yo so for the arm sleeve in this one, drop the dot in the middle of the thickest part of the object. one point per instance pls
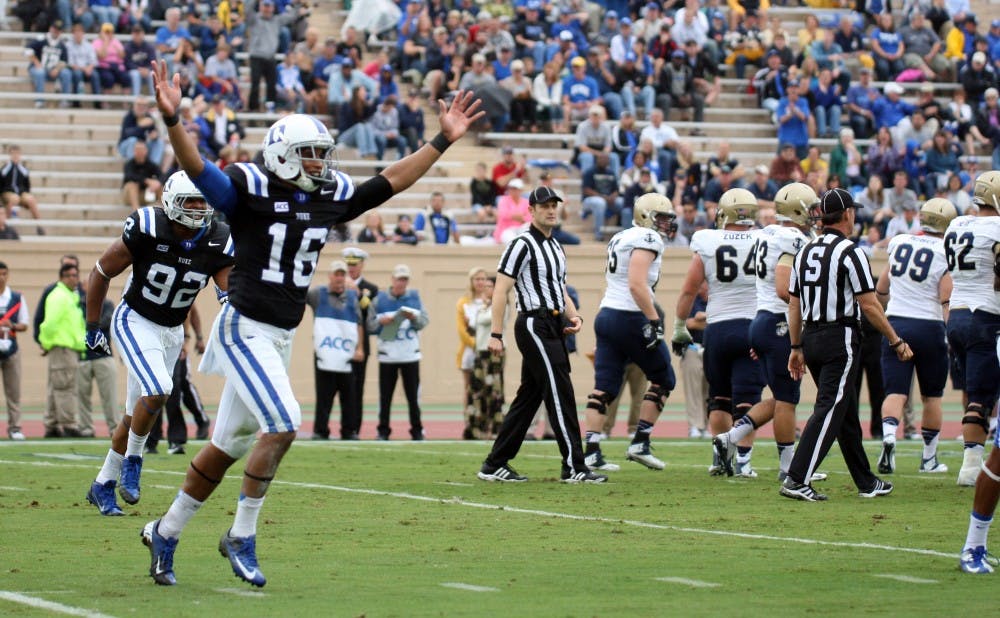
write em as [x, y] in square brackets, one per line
[217, 188]
[369, 194]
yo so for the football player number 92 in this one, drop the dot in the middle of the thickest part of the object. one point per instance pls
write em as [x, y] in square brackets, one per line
[304, 262]
[160, 281]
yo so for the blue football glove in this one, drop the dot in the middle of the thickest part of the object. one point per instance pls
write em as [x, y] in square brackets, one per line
[96, 341]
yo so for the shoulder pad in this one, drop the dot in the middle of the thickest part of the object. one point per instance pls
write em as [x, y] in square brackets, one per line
[146, 221]
[251, 176]
[343, 188]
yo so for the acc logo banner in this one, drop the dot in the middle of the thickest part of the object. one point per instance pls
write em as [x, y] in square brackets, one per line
[337, 343]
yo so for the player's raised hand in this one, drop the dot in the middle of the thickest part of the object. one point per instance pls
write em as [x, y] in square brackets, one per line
[168, 91]
[455, 119]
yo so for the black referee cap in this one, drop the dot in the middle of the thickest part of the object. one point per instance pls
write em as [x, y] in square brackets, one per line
[836, 200]
[543, 194]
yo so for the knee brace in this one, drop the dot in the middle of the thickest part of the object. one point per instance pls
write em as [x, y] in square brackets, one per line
[741, 411]
[721, 404]
[599, 402]
[976, 414]
[658, 395]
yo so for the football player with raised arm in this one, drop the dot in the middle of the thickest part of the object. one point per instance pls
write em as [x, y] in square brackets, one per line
[774, 255]
[279, 213]
[915, 288]
[173, 252]
[629, 329]
[970, 245]
[724, 257]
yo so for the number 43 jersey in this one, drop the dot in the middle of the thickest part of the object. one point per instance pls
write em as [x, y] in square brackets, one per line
[969, 245]
[730, 269]
[916, 265]
[773, 242]
[168, 271]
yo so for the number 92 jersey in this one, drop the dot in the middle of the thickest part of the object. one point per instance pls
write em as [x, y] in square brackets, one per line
[617, 295]
[168, 271]
[773, 242]
[916, 265]
[969, 245]
[730, 270]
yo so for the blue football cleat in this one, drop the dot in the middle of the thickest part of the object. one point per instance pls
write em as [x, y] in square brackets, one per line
[129, 488]
[977, 560]
[161, 553]
[103, 497]
[242, 554]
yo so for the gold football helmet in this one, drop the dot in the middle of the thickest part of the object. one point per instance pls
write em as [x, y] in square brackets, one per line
[936, 214]
[736, 207]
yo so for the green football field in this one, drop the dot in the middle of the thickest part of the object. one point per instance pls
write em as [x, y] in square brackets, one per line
[406, 529]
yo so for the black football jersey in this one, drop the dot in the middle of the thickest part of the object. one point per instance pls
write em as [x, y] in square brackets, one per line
[279, 230]
[168, 271]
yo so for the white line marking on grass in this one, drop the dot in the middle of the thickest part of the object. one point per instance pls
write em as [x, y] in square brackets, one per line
[23, 599]
[67, 456]
[694, 583]
[469, 587]
[163, 486]
[909, 579]
[6, 488]
[240, 592]
[453, 483]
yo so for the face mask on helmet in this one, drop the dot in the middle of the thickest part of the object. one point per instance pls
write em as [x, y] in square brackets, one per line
[665, 223]
[184, 204]
[299, 149]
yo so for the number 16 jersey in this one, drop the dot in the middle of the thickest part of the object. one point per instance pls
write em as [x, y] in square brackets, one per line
[168, 271]
[731, 273]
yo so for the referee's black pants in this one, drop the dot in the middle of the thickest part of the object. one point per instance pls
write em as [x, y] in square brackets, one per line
[328, 385]
[184, 391]
[544, 379]
[832, 356]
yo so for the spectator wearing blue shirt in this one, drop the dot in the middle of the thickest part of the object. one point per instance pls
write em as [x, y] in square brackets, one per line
[603, 71]
[861, 98]
[529, 33]
[566, 43]
[340, 84]
[793, 120]
[386, 84]
[826, 105]
[890, 109]
[887, 48]
[438, 226]
[580, 91]
[408, 22]
[168, 37]
[501, 66]
[105, 11]
[830, 55]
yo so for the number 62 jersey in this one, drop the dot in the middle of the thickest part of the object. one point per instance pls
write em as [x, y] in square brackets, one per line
[969, 245]
[168, 271]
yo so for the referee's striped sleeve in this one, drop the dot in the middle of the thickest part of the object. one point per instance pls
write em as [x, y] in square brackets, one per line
[859, 271]
[513, 256]
[793, 282]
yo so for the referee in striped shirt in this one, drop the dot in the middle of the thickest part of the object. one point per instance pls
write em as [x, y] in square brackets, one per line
[535, 266]
[831, 284]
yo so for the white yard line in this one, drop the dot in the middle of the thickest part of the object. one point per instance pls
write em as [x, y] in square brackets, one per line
[23, 599]
[8, 488]
[694, 583]
[908, 579]
[469, 587]
[240, 592]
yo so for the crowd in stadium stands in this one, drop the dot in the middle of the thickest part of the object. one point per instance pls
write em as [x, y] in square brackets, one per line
[610, 75]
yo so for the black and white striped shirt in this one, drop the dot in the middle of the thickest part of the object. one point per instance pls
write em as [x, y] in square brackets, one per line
[829, 273]
[538, 266]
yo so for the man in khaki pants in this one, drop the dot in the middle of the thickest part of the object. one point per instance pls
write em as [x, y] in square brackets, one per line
[61, 336]
[693, 371]
[99, 366]
[14, 319]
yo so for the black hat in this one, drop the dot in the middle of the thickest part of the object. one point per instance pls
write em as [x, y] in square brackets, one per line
[542, 195]
[836, 200]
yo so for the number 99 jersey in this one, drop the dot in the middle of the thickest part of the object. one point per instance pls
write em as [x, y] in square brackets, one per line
[730, 269]
[916, 265]
[617, 295]
[773, 242]
[969, 246]
[168, 271]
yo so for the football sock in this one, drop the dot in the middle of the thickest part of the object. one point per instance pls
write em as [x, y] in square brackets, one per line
[181, 510]
[977, 449]
[786, 451]
[979, 526]
[135, 444]
[743, 428]
[112, 468]
[642, 431]
[889, 426]
[247, 510]
[594, 436]
[743, 453]
[930, 442]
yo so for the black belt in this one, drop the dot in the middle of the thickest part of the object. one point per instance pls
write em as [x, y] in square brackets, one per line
[542, 313]
[848, 322]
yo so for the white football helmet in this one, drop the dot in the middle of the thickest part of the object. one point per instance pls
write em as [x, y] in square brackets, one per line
[655, 211]
[295, 139]
[177, 192]
[736, 207]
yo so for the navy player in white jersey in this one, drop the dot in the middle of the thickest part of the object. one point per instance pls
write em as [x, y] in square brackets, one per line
[629, 330]
[774, 255]
[918, 286]
[279, 213]
[725, 258]
[174, 251]
[970, 244]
